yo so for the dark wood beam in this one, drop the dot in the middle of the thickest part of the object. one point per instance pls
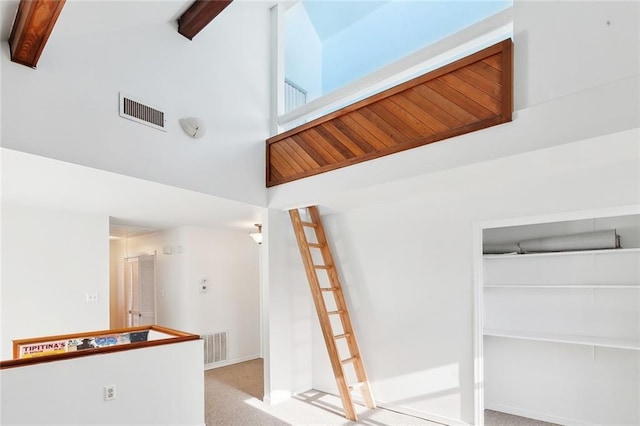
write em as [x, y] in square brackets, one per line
[31, 29]
[198, 16]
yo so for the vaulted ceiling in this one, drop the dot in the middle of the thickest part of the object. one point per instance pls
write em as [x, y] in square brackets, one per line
[35, 20]
[121, 191]
[331, 17]
[80, 17]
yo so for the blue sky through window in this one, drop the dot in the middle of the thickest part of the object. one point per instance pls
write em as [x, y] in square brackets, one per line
[330, 43]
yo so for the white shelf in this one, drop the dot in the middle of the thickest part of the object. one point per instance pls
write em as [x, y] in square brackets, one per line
[560, 338]
[560, 253]
[577, 286]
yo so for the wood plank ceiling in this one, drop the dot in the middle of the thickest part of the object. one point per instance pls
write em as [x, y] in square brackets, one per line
[470, 94]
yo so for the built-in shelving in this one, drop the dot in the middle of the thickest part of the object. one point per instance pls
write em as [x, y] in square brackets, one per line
[563, 326]
[560, 253]
[564, 338]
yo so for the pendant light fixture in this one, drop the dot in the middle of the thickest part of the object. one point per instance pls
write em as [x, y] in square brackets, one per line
[257, 236]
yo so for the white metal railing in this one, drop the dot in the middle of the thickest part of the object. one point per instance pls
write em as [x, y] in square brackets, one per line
[294, 96]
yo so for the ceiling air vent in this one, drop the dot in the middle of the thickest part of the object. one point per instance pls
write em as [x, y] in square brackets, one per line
[141, 113]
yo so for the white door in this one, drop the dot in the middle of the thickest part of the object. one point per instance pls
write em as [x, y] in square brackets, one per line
[140, 290]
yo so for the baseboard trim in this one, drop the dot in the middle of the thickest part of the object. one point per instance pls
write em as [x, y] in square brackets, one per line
[534, 414]
[230, 362]
[402, 410]
[417, 413]
[277, 397]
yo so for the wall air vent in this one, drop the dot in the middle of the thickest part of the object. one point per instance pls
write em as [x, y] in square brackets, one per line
[215, 347]
[141, 113]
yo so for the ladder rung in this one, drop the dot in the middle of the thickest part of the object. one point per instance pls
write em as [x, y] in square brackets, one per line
[348, 360]
[307, 243]
[356, 386]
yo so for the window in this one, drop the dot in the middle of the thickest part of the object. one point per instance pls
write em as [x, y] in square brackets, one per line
[331, 44]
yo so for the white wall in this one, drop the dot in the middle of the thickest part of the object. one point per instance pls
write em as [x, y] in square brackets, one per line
[303, 58]
[563, 48]
[288, 353]
[229, 262]
[408, 266]
[222, 77]
[566, 384]
[51, 259]
[570, 83]
[403, 233]
[159, 385]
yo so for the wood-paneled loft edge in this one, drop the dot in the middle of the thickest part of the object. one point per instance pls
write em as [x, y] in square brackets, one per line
[470, 94]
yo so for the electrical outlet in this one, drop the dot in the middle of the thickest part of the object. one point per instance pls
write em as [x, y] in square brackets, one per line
[92, 297]
[110, 393]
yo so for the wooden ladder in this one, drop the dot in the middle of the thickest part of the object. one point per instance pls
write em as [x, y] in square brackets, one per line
[338, 310]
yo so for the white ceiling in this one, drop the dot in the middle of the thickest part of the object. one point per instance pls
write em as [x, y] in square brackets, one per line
[134, 205]
[8, 10]
[95, 16]
[39, 181]
[92, 16]
[331, 17]
[84, 17]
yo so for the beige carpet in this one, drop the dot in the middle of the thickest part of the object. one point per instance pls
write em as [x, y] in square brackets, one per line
[233, 396]
[496, 418]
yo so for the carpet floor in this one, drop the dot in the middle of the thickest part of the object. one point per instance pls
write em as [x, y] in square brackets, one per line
[496, 418]
[233, 396]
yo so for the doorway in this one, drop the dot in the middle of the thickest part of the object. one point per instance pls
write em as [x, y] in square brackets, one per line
[140, 290]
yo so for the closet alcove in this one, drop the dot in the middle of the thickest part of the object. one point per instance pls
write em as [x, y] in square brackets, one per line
[561, 329]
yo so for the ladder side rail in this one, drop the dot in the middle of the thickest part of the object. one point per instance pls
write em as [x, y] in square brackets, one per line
[325, 323]
[325, 250]
[354, 349]
[341, 304]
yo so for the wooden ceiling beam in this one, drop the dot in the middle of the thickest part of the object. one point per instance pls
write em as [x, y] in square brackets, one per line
[31, 29]
[198, 16]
